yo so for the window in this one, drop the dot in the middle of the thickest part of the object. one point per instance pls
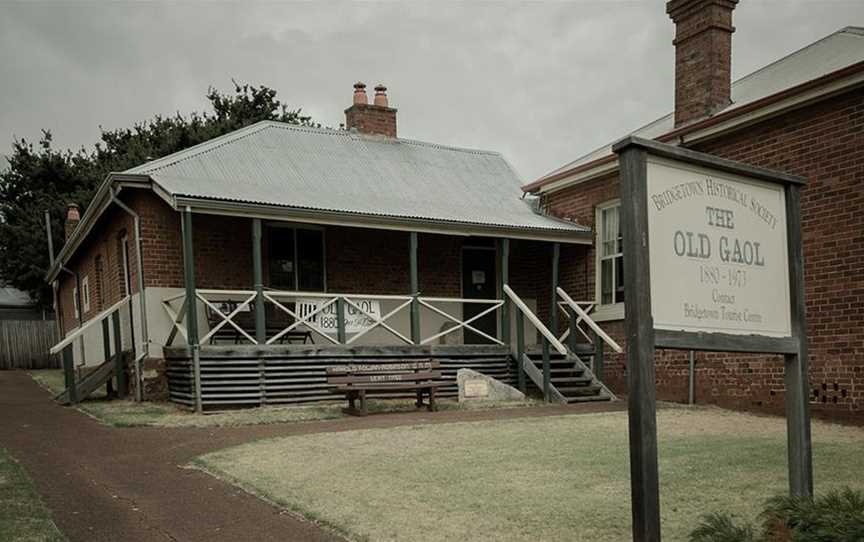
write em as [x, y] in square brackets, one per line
[99, 291]
[125, 283]
[296, 258]
[610, 259]
[85, 293]
[75, 302]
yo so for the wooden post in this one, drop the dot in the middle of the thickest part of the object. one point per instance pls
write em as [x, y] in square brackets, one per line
[191, 303]
[691, 378]
[520, 349]
[415, 287]
[574, 329]
[505, 279]
[599, 344]
[799, 449]
[119, 363]
[69, 372]
[639, 326]
[553, 316]
[340, 320]
[106, 350]
[258, 279]
[547, 371]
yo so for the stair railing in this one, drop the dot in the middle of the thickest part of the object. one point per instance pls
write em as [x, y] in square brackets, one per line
[549, 340]
[583, 317]
[65, 346]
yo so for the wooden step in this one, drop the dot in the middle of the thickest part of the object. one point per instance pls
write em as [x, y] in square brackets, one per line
[578, 390]
[577, 380]
[588, 398]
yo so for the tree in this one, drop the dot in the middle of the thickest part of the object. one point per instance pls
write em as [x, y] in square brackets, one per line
[40, 177]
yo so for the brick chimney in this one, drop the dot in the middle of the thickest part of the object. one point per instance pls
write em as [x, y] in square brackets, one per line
[703, 57]
[377, 118]
[73, 217]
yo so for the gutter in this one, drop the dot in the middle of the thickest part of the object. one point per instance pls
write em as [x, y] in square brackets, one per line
[692, 130]
[142, 298]
[98, 204]
[385, 222]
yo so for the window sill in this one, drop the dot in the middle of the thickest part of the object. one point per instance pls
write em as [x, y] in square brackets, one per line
[608, 313]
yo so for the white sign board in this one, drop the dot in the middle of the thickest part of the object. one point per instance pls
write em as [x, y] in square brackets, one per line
[718, 251]
[355, 320]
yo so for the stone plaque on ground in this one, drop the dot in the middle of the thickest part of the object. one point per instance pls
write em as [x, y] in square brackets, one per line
[474, 386]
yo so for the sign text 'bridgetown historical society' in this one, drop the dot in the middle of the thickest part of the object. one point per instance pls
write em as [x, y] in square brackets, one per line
[718, 251]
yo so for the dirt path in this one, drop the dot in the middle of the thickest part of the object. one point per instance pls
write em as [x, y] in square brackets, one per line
[105, 483]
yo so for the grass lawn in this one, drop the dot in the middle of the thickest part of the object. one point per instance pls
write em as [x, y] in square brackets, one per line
[23, 516]
[555, 478]
[132, 414]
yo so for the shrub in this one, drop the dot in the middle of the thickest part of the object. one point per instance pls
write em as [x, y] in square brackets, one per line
[837, 516]
[722, 528]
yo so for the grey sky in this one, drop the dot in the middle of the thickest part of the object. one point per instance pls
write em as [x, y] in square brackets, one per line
[541, 82]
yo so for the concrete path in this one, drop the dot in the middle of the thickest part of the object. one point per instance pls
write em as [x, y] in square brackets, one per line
[130, 484]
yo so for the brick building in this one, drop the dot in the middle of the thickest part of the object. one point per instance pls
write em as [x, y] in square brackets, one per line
[803, 115]
[301, 245]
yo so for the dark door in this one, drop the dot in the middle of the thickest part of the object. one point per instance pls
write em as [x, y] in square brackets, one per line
[479, 281]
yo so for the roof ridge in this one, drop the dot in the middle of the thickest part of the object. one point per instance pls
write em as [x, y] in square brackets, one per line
[200, 148]
[373, 137]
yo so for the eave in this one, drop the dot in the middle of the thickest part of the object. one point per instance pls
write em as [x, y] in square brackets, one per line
[383, 222]
[112, 185]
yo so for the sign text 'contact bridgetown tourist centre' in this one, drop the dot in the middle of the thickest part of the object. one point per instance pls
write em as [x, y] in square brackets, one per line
[718, 251]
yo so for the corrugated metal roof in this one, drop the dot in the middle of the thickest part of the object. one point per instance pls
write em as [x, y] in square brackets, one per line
[834, 52]
[310, 168]
[12, 297]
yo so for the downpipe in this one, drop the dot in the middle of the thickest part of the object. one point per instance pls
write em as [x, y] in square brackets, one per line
[142, 301]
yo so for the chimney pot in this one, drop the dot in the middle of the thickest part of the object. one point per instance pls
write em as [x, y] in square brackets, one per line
[381, 96]
[73, 217]
[360, 97]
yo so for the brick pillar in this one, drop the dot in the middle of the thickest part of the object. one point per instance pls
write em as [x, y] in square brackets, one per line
[703, 57]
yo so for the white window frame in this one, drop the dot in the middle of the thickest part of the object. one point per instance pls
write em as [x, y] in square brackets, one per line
[124, 255]
[607, 311]
[85, 293]
[75, 303]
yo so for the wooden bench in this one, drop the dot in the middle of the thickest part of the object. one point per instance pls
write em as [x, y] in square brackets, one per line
[356, 380]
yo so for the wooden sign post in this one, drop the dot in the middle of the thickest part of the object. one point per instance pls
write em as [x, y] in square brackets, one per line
[712, 261]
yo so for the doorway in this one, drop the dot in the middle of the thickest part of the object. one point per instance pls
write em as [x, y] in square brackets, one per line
[479, 281]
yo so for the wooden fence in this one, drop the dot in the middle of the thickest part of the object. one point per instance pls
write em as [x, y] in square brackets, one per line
[24, 344]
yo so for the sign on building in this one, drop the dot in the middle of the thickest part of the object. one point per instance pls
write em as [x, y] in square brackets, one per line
[355, 320]
[712, 261]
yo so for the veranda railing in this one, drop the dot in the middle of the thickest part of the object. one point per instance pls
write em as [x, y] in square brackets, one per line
[301, 314]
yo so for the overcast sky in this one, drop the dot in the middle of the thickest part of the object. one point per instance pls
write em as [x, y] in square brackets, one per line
[541, 82]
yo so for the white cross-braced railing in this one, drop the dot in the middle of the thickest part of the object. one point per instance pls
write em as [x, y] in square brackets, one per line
[308, 311]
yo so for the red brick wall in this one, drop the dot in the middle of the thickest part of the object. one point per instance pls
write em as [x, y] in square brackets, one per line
[825, 143]
[104, 246]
